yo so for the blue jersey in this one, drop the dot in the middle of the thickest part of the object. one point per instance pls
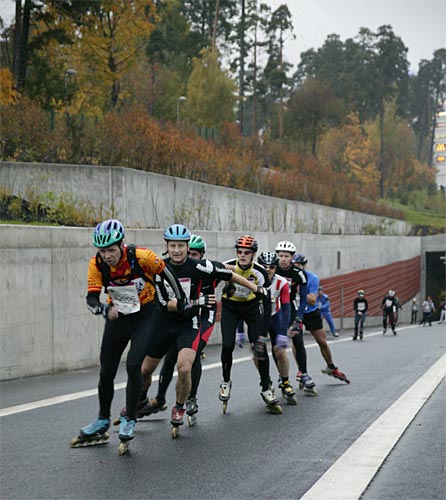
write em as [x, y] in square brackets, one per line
[312, 287]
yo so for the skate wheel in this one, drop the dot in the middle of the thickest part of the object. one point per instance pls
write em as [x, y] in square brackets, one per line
[116, 421]
[191, 420]
[225, 406]
[175, 432]
[292, 400]
[310, 392]
[276, 409]
[123, 447]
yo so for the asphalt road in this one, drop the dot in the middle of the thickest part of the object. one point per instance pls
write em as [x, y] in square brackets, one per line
[245, 454]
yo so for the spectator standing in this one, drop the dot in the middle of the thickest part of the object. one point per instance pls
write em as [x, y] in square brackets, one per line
[428, 309]
[323, 303]
[414, 312]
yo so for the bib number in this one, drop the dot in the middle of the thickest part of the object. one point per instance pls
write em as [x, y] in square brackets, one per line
[125, 298]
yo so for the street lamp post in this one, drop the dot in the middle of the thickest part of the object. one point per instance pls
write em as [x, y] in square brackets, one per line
[67, 75]
[180, 99]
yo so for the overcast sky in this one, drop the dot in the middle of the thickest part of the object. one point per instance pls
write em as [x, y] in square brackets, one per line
[421, 24]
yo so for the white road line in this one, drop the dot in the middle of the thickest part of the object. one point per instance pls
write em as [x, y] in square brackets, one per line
[92, 392]
[350, 475]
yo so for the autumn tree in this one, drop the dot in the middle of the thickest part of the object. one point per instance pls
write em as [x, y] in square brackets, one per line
[347, 149]
[210, 93]
[312, 109]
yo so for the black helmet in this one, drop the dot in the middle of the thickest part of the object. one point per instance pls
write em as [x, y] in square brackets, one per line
[268, 259]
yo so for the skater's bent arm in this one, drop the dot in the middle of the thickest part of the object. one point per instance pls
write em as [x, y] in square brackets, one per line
[244, 282]
[311, 299]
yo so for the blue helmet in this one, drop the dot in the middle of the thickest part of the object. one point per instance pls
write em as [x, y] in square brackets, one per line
[299, 258]
[177, 232]
[107, 233]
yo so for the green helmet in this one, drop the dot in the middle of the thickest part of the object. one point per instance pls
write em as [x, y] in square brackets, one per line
[108, 233]
[197, 243]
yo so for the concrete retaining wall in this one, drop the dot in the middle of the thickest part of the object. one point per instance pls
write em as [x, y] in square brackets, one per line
[46, 327]
[147, 200]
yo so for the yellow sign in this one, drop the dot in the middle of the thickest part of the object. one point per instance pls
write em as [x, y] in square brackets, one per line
[440, 147]
[440, 159]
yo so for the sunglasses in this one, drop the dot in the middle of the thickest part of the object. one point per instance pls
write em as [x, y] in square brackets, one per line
[244, 252]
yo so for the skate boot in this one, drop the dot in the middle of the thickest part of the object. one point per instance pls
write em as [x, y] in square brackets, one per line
[176, 420]
[298, 375]
[384, 331]
[191, 411]
[225, 394]
[151, 407]
[95, 433]
[355, 335]
[335, 334]
[394, 331]
[336, 373]
[271, 401]
[139, 412]
[306, 383]
[361, 335]
[126, 429]
[288, 392]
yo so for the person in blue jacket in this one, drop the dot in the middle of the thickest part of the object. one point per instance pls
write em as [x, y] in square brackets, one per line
[324, 307]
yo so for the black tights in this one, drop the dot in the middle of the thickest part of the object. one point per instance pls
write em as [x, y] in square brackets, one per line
[134, 328]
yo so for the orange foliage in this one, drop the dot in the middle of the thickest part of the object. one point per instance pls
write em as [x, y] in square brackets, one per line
[131, 138]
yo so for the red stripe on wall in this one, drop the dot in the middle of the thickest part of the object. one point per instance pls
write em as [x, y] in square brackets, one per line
[403, 276]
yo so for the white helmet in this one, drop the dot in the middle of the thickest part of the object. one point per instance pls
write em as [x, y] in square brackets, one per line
[285, 246]
[391, 293]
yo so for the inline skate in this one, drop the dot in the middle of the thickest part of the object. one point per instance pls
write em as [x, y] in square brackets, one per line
[309, 387]
[225, 394]
[191, 411]
[271, 401]
[288, 392]
[336, 373]
[126, 429]
[176, 420]
[143, 409]
[92, 434]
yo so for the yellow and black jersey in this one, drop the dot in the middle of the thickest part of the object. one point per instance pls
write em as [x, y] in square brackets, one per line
[122, 274]
[254, 273]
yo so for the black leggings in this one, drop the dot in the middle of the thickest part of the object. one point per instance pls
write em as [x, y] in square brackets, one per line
[252, 314]
[136, 328]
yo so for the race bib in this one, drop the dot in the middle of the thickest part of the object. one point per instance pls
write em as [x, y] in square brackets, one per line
[241, 291]
[361, 306]
[388, 302]
[125, 298]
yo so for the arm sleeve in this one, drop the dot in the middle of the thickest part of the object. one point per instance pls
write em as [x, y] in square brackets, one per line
[285, 318]
[214, 269]
[302, 301]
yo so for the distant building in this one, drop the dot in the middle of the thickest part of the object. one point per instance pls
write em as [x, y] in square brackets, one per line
[439, 156]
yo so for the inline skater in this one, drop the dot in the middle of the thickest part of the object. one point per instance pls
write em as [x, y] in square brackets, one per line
[179, 317]
[297, 280]
[277, 324]
[360, 307]
[427, 308]
[207, 315]
[130, 316]
[389, 306]
[240, 303]
[313, 321]
[323, 302]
